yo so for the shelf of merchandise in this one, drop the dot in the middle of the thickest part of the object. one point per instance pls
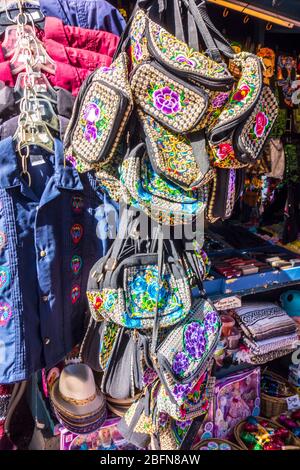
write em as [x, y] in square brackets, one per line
[255, 291]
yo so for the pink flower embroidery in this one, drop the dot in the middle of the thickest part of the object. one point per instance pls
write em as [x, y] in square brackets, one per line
[241, 93]
[166, 100]
[224, 151]
[72, 160]
[91, 113]
[261, 123]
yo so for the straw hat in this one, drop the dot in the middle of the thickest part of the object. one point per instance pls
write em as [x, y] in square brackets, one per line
[75, 392]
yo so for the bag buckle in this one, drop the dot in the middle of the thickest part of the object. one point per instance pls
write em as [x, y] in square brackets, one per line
[111, 264]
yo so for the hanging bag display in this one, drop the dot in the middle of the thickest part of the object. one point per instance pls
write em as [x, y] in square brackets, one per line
[123, 285]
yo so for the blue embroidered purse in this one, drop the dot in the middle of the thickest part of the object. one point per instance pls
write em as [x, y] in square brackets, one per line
[131, 285]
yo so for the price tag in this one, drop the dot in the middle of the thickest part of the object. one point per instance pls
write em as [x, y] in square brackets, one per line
[228, 303]
[293, 402]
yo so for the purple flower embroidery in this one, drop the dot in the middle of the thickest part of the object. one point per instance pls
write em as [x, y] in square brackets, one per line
[107, 69]
[180, 390]
[185, 60]
[194, 340]
[149, 376]
[90, 132]
[180, 363]
[166, 100]
[72, 160]
[210, 322]
[138, 53]
[219, 100]
[91, 113]
[163, 419]
[184, 424]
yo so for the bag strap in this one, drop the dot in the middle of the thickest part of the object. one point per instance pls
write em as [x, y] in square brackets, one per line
[220, 40]
[160, 252]
[189, 438]
[127, 225]
[212, 49]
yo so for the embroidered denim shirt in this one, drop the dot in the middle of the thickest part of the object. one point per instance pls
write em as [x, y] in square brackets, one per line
[90, 14]
[51, 234]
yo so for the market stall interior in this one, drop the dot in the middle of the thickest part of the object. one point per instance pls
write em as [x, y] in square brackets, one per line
[149, 225]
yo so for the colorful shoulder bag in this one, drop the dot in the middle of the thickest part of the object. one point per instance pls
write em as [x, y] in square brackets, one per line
[123, 286]
[159, 198]
[99, 117]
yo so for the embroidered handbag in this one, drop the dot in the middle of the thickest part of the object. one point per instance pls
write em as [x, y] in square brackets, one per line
[150, 42]
[241, 103]
[174, 157]
[123, 376]
[226, 187]
[123, 285]
[250, 137]
[99, 117]
[183, 362]
[160, 199]
[98, 343]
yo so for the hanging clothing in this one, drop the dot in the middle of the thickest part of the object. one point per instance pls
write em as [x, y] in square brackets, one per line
[9, 108]
[101, 42]
[90, 14]
[51, 234]
[66, 76]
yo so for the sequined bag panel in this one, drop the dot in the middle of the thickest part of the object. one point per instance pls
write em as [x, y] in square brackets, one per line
[100, 114]
[172, 156]
[250, 138]
[171, 101]
[183, 357]
[242, 99]
[196, 398]
[158, 204]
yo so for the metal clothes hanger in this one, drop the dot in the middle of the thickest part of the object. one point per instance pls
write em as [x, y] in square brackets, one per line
[23, 36]
[39, 82]
[9, 9]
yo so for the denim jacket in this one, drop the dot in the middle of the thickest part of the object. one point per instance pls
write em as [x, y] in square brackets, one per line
[89, 14]
[51, 234]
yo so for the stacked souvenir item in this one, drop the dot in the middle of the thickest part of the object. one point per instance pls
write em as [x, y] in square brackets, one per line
[291, 421]
[276, 394]
[268, 332]
[262, 434]
[106, 438]
[216, 444]
[236, 397]
[79, 406]
[193, 129]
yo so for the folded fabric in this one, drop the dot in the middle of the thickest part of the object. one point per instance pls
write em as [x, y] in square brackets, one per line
[272, 344]
[245, 356]
[79, 58]
[264, 320]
